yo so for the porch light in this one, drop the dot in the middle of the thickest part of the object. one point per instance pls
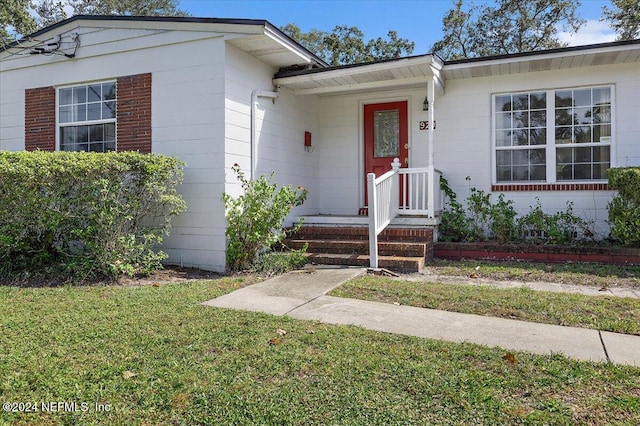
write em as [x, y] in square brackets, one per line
[425, 104]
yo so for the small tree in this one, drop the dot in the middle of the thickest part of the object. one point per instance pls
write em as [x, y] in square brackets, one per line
[255, 219]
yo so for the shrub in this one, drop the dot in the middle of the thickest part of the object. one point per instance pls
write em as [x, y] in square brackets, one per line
[478, 219]
[86, 214]
[482, 219]
[479, 210]
[279, 262]
[454, 226]
[559, 228]
[503, 224]
[255, 219]
[624, 209]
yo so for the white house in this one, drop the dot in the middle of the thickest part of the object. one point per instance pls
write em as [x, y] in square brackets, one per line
[215, 92]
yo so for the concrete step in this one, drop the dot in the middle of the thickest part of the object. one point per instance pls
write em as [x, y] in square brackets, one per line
[393, 263]
[385, 248]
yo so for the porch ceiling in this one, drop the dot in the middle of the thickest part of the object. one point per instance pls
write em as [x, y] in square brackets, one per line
[583, 56]
[406, 72]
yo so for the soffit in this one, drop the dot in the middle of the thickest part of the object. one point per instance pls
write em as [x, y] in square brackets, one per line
[406, 72]
[543, 62]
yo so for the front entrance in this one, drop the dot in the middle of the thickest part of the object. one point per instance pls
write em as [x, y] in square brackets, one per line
[386, 136]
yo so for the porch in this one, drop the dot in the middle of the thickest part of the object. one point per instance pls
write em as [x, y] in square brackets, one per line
[396, 230]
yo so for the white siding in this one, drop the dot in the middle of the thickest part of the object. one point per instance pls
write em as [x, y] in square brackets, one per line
[462, 145]
[463, 138]
[187, 116]
[280, 128]
[341, 146]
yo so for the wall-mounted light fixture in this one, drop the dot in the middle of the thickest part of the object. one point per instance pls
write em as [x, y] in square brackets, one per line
[425, 104]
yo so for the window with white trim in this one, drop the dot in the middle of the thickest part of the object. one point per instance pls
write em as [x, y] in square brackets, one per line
[87, 117]
[553, 136]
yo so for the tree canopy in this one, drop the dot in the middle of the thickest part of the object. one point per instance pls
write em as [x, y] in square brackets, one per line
[128, 7]
[624, 18]
[346, 45]
[15, 18]
[22, 17]
[509, 26]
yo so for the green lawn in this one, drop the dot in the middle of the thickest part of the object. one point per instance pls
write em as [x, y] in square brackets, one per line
[201, 365]
[590, 274]
[619, 315]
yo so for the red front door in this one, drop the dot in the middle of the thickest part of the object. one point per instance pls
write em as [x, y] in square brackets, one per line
[386, 136]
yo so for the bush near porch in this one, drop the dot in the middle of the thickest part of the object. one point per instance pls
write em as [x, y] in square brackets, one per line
[624, 209]
[255, 224]
[85, 214]
[483, 220]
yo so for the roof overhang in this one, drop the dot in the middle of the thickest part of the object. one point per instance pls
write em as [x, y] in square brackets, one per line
[556, 59]
[259, 38]
[395, 73]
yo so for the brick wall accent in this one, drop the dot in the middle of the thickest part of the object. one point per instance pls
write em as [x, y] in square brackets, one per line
[134, 113]
[551, 187]
[40, 119]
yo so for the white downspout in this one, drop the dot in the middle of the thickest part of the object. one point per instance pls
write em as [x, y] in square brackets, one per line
[255, 95]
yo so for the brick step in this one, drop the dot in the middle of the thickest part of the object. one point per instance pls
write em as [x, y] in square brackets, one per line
[393, 263]
[385, 248]
[419, 235]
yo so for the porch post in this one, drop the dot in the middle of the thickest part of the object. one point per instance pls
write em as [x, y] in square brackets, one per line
[373, 220]
[433, 186]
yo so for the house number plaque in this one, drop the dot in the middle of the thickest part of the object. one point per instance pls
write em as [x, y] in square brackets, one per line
[424, 125]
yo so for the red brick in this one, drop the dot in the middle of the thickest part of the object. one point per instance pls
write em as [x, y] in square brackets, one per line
[473, 254]
[597, 258]
[134, 113]
[633, 260]
[564, 257]
[446, 254]
[40, 119]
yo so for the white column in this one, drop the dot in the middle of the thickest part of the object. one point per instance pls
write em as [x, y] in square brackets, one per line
[373, 220]
[433, 186]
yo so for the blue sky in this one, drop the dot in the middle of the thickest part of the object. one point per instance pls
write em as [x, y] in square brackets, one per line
[419, 21]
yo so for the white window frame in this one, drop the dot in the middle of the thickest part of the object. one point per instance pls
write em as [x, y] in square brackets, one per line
[60, 125]
[550, 147]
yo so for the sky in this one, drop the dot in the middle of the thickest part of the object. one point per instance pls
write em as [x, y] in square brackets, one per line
[419, 21]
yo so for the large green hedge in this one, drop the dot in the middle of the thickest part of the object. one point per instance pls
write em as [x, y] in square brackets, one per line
[624, 209]
[85, 214]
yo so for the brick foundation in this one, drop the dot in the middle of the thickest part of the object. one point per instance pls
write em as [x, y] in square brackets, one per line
[537, 253]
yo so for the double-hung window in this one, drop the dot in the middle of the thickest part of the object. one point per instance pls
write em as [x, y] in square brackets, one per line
[87, 117]
[553, 135]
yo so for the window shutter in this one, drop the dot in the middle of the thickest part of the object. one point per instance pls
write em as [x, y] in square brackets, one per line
[40, 119]
[133, 113]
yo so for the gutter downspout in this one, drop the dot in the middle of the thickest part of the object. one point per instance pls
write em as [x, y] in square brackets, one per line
[255, 95]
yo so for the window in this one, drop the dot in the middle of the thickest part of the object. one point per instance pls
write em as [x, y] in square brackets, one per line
[553, 136]
[87, 117]
[386, 133]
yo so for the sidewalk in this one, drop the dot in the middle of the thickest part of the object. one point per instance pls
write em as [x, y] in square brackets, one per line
[302, 295]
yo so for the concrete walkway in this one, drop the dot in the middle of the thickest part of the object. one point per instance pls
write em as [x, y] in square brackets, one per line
[302, 295]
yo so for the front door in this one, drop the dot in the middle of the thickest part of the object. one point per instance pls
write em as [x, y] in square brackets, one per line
[386, 136]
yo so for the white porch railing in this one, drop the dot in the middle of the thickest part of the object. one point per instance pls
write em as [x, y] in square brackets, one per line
[400, 192]
[416, 193]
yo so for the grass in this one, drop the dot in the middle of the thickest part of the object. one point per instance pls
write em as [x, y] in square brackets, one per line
[592, 274]
[619, 315]
[154, 355]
